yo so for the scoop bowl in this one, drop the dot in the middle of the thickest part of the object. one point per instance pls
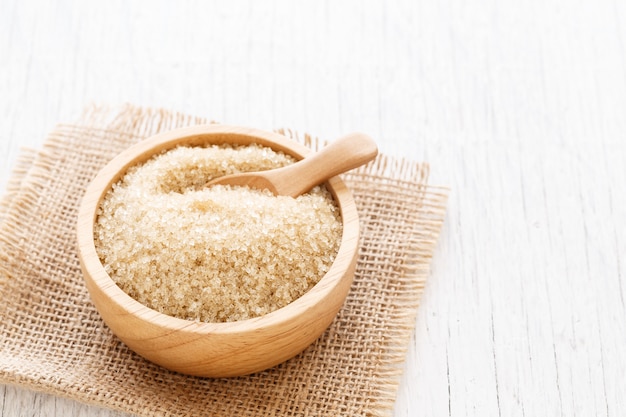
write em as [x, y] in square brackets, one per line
[215, 349]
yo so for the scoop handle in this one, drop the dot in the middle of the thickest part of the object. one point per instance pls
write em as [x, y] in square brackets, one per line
[341, 155]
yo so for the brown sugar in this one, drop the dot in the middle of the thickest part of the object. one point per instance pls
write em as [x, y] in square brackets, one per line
[214, 254]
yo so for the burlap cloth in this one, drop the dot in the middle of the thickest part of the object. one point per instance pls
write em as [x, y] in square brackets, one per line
[52, 339]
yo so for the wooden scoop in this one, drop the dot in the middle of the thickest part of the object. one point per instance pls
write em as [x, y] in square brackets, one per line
[344, 154]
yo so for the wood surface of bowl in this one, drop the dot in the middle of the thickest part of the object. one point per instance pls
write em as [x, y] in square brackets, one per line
[215, 349]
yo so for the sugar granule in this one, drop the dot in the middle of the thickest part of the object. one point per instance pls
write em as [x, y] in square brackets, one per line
[214, 254]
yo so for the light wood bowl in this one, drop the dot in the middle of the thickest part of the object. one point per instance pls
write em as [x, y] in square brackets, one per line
[215, 349]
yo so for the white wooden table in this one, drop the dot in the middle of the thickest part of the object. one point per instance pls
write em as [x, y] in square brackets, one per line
[520, 107]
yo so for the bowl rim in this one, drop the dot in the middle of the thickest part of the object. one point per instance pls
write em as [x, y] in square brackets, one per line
[144, 150]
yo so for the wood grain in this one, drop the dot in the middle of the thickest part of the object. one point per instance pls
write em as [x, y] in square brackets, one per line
[518, 106]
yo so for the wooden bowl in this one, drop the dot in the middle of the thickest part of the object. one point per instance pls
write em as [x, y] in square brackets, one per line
[215, 349]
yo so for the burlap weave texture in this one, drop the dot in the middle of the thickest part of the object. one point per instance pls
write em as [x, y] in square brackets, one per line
[52, 339]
